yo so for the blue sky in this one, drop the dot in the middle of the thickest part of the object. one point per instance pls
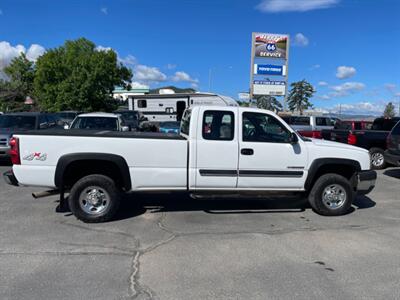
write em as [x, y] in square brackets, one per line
[348, 49]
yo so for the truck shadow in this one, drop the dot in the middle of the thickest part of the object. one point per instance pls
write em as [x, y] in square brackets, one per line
[5, 162]
[393, 173]
[135, 205]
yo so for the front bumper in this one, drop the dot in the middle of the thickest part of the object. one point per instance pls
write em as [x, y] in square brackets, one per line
[10, 178]
[366, 181]
[392, 159]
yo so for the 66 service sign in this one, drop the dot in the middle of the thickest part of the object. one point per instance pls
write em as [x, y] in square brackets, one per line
[269, 45]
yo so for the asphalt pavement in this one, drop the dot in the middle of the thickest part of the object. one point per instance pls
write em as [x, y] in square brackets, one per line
[173, 247]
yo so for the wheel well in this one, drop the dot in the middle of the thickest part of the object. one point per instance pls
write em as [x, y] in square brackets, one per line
[344, 170]
[81, 168]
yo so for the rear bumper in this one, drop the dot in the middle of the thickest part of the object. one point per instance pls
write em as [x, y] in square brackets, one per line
[365, 181]
[4, 151]
[10, 178]
[392, 159]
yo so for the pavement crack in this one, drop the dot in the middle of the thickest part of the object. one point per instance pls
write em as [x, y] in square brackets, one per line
[62, 253]
[136, 289]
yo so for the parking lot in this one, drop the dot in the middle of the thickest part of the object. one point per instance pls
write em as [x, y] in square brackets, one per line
[173, 247]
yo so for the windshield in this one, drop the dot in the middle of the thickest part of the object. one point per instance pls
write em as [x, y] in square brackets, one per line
[129, 115]
[66, 115]
[96, 123]
[17, 122]
[170, 124]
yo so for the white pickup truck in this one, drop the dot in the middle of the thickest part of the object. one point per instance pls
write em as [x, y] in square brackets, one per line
[219, 150]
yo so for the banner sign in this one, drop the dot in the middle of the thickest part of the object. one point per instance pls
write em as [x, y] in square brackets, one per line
[267, 87]
[269, 70]
[270, 45]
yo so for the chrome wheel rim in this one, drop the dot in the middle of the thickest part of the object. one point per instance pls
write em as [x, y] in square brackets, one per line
[334, 196]
[94, 200]
[377, 159]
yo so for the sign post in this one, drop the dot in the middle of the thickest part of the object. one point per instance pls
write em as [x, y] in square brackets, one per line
[265, 49]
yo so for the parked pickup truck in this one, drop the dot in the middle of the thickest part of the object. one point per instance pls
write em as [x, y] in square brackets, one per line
[373, 139]
[219, 150]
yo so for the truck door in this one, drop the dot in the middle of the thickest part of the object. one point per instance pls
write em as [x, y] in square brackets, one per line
[267, 159]
[217, 149]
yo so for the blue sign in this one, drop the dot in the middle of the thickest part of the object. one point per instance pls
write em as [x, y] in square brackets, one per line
[269, 70]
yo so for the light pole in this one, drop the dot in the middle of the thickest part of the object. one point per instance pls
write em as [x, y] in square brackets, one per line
[210, 75]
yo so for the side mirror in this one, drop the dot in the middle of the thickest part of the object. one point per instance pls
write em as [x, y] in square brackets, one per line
[66, 126]
[293, 138]
[125, 128]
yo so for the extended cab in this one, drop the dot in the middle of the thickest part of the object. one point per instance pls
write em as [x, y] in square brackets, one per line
[219, 150]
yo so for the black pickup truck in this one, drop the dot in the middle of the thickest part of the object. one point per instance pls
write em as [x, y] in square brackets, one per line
[373, 139]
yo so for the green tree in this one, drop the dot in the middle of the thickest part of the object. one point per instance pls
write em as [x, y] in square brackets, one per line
[268, 102]
[78, 76]
[19, 84]
[299, 96]
[389, 111]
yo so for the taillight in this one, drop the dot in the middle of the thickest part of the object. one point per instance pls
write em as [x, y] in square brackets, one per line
[351, 139]
[316, 134]
[14, 151]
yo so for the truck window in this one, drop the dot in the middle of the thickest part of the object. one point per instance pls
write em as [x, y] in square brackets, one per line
[218, 125]
[396, 129]
[300, 121]
[322, 121]
[142, 103]
[258, 127]
[185, 122]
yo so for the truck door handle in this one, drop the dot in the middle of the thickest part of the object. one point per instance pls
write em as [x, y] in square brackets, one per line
[247, 151]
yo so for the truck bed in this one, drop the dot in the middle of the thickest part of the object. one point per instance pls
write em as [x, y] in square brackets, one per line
[103, 133]
[154, 159]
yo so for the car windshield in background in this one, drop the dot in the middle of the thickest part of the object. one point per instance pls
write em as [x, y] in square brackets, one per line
[96, 123]
[172, 125]
[17, 122]
[129, 115]
[66, 115]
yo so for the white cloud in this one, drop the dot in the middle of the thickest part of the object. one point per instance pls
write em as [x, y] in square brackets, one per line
[102, 48]
[276, 6]
[362, 108]
[341, 90]
[148, 74]
[138, 85]
[104, 10]
[171, 66]
[183, 76]
[391, 87]
[34, 52]
[128, 60]
[346, 89]
[9, 52]
[300, 40]
[343, 72]
[315, 67]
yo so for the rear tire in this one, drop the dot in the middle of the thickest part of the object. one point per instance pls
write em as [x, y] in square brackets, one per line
[377, 158]
[331, 195]
[94, 199]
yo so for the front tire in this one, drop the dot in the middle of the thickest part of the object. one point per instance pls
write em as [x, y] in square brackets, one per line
[94, 199]
[331, 195]
[377, 158]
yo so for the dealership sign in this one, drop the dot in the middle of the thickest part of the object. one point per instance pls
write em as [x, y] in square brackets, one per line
[268, 87]
[270, 45]
[269, 70]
